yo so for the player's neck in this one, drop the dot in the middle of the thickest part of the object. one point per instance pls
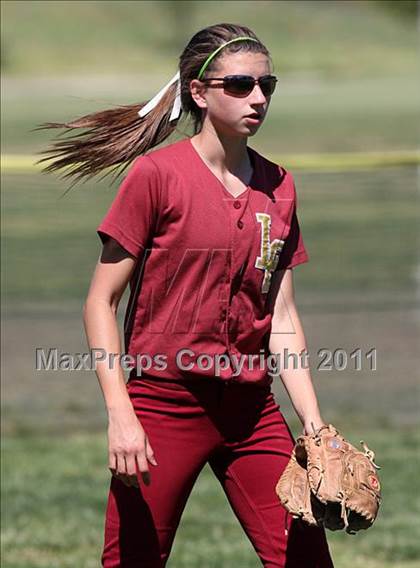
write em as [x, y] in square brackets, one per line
[223, 154]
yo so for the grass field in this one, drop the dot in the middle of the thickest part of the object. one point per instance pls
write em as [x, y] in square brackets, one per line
[117, 36]
[348, 83]
[55, 509]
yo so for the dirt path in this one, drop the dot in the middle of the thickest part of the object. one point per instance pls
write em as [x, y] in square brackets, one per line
[69, 400]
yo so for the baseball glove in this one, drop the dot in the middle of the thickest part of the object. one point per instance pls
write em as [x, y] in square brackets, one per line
[328, 482]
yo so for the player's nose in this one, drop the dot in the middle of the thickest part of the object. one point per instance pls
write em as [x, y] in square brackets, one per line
[257, 96]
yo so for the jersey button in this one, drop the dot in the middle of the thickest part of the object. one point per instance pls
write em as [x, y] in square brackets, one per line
[240, 224]
[237, 204]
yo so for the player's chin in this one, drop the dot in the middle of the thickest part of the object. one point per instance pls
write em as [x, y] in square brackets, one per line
[244, 128]
[250, 127]
[251, 131]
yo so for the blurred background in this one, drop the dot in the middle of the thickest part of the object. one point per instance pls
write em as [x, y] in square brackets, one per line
[345, 121]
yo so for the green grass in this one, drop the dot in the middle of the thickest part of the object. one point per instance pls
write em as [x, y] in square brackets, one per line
[55, 492]
[331, 38]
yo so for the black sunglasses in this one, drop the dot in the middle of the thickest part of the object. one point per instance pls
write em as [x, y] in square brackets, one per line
[242, 85]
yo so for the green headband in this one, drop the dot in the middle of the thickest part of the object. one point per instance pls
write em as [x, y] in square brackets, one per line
[210, 57]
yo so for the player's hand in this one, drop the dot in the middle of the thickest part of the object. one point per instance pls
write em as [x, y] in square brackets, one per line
[129, 449]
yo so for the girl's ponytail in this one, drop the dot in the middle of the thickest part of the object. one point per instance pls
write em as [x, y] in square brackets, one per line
[115, 137]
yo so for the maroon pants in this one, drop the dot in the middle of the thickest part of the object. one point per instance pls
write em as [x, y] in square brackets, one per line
[239, 430]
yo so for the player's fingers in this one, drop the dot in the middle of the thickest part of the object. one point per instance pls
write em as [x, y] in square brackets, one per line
[149, 453]
[131, 475]
[112, 463]
[121, 470]
[143, 467]
[113, 467]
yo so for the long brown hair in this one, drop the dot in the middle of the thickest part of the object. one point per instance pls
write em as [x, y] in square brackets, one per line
[115, 137]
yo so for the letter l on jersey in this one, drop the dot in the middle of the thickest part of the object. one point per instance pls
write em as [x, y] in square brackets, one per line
[269, 251]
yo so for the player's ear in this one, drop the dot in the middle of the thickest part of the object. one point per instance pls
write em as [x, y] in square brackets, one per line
[198, 92]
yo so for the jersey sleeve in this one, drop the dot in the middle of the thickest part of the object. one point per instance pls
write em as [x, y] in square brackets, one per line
[294, 251]
[132, 216]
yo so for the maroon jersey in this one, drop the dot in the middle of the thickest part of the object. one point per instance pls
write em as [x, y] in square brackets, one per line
[204, 263]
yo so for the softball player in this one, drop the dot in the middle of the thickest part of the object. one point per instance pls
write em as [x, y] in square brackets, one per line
[205, 232]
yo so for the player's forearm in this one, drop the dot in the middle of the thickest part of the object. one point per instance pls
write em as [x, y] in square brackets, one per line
[287, 338]
[102, 332]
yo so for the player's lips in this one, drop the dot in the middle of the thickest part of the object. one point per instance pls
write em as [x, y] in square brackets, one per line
[254, 117]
